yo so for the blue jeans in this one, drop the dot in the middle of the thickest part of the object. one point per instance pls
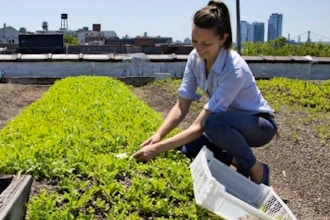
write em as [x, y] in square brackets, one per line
[231, 135]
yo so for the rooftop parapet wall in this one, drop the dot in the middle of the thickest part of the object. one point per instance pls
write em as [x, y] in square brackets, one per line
[142, 65]
[91, 57]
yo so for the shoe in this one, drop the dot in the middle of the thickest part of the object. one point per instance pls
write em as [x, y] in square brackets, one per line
[266, 178]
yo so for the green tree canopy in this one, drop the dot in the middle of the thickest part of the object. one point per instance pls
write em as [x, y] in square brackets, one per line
[70, 40]
[281, 47]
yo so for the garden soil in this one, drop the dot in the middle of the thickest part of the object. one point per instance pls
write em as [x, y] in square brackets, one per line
[299, 161]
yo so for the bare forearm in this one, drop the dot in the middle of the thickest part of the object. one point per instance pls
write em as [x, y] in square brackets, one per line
[151, 150]
[184, 137]
[174, 117]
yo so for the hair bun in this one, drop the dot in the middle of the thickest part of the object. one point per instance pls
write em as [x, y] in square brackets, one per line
[215, 2]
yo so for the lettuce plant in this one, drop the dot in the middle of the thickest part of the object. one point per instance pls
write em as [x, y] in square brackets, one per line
[78, 137]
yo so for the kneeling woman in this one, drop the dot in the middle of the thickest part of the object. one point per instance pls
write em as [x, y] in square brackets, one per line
[236, 116]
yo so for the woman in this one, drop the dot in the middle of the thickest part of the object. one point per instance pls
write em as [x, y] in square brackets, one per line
[236, 116]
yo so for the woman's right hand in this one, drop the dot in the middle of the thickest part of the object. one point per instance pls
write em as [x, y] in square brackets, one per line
[155, 138]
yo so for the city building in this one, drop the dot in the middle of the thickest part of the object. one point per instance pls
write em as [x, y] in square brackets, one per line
[245, 28]
[95, 41]
[96, 36]
[254, 32]
[8, 35]
[41, 43]
[257, 32]
[274, 26]
[8, 39]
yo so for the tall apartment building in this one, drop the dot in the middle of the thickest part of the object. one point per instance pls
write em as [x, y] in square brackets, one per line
[275, 26]
[245, 28]
[254, 32]
[257, 32]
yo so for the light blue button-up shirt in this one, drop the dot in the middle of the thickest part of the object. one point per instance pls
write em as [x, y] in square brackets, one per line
[230, 84]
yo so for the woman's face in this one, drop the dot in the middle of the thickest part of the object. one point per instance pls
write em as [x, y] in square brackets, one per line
[206, 43]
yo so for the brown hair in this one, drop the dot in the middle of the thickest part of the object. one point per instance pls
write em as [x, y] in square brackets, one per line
[215, 16]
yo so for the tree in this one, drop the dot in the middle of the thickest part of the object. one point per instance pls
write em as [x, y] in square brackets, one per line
[281, 47]
[70, 40]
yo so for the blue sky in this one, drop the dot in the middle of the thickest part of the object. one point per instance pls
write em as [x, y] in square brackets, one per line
[168, 18]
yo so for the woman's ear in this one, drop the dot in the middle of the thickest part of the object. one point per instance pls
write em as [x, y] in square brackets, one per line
[224, 38]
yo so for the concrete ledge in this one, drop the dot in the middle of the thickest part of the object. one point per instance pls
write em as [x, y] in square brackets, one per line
[113, 57]
[142, 65]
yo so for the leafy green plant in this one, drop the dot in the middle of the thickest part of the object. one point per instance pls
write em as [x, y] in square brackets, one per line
[72, 139]
[76, 136]
[281, 47]
[297, 93]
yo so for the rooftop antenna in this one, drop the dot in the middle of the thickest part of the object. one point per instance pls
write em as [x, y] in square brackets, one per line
[64, 22]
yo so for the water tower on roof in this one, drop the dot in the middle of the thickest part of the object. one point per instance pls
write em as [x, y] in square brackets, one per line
[64, 22]
[45, 26]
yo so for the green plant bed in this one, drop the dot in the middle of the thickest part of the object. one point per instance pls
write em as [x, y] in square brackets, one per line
[297, 93]
[309, 98]
[79, 137]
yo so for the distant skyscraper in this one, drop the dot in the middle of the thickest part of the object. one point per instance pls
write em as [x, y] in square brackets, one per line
[274, 26]
[245, 28]
[254, 32]
[257, 32]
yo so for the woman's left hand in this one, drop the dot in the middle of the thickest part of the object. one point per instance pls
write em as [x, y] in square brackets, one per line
[146, 153]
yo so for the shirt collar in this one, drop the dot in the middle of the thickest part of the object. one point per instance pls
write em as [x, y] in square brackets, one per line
[219, 63]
